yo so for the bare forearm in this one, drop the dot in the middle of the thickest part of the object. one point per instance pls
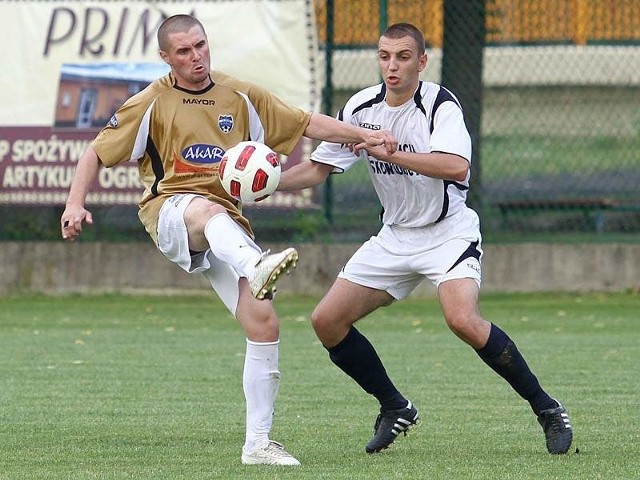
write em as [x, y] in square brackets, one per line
[323, 127]
[446, 166]
[304, 175]
[86, 171]
[74, 213]
[436, 165]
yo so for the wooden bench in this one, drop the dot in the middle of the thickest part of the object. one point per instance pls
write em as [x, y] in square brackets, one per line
[593, 209]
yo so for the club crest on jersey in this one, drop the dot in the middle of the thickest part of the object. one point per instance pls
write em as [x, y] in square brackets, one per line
[225, 122]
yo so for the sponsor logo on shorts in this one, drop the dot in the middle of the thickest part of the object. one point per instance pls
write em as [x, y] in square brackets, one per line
[176, 199]
[474, 266]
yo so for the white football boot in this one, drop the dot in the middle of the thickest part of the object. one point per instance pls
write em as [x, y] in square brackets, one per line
[269, 269]
[273, 454]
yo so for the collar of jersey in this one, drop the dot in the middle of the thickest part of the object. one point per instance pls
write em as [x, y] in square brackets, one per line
[195, 92]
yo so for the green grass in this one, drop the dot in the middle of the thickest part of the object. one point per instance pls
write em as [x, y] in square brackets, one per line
[516, 157]
[114, 387]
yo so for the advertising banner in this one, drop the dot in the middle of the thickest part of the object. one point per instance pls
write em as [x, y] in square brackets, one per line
[71, 64]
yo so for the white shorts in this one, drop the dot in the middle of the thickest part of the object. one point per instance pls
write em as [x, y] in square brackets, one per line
[398, 259]
[173, 242]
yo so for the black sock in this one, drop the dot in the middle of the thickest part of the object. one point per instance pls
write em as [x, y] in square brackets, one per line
[356, 357]
[502, 355]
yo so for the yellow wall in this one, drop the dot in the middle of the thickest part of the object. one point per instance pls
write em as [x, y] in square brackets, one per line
[507, 21]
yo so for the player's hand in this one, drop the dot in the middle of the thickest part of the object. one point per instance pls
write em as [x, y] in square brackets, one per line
[377, 138]
[380, 152]
[71, 221]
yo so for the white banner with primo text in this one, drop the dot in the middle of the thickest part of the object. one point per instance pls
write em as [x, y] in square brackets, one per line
[70, 64]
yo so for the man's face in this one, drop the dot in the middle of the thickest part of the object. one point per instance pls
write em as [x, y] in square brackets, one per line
[189, 58]
[400, 64]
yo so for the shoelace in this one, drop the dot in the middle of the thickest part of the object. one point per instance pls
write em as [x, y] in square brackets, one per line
[263, 255]
[558, 421]
[277, 449]
[403, 428]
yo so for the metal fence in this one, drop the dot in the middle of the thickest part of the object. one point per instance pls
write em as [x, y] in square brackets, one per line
[552, 102]
[551, 89]
[523, 22]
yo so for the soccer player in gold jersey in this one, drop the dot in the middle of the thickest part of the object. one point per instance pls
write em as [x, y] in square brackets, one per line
[178, 129]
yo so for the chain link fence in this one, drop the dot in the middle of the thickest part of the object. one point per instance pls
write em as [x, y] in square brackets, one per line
[551, 89]
[553, 111]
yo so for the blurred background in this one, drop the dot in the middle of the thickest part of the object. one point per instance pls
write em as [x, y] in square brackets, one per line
[551, 94]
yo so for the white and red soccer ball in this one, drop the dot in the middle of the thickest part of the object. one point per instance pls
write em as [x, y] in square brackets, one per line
[250, 171]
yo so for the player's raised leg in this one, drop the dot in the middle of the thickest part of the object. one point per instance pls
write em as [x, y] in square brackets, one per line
[230, 243]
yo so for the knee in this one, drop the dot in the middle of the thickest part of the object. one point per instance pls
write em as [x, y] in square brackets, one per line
[267, 328]
[319, 321]
[269, 322]
[261, 323]
[469, 327]
[464, 323]
[214, 209]
[200, 211]
[327, 327]
[457, 322]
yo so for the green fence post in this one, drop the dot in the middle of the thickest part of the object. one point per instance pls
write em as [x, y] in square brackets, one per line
[327, 101]
[462, 50]
[383, 6]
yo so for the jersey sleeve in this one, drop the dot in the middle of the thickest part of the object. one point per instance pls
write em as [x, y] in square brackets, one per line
[116, 142]
[284, 125]
[450, 134]
[336, 154]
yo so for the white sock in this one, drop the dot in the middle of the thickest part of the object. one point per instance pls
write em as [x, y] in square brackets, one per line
[231, 244]
[260, 381]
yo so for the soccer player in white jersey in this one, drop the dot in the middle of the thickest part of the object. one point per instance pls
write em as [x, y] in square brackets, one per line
[178, 129]
[428, 232]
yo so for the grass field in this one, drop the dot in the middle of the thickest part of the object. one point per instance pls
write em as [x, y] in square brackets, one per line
[115, 387]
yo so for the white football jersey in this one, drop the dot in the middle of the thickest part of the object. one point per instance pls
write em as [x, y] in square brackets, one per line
[432, 121]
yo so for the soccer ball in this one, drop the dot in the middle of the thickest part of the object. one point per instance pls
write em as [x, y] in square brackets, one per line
[250, 171]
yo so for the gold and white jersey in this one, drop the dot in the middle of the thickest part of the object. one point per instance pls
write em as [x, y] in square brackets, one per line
[178, 138]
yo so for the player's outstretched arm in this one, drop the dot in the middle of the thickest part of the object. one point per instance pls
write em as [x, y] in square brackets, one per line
[329, 129]
[446, 166]
[75, 213]
[304, 175]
